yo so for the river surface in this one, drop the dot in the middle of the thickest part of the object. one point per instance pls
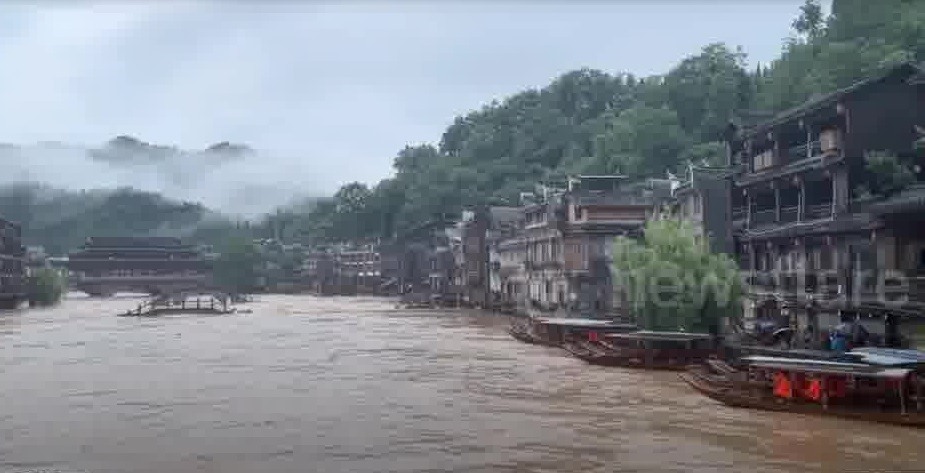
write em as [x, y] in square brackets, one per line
[307, 384]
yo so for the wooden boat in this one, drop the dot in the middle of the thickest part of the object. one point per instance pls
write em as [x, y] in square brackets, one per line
[556, 331]
[652, 350]
[521, 331]
[881, 385]
[593, 353]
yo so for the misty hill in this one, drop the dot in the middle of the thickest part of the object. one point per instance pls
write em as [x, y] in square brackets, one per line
[232, 178]
[127, 150]
[61, 220]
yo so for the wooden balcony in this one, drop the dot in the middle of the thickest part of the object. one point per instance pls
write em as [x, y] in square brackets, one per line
[763, 218]
[818, 211]
[769, 217]
[804, 151]
[739, 214]
[875, 287]
[789, 214]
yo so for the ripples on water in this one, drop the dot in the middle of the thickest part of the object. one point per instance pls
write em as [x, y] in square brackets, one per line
[352, 385]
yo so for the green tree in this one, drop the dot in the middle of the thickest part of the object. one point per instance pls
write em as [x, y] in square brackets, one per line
[711, 153]
[236, 269]
[641, 141]
[674, 281]
[811, 20]
[886, 175]
[709, 89]
[45, 287]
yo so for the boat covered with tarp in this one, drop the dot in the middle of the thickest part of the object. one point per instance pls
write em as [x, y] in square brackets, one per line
[555, 331]
[876, 384]
[645, 349]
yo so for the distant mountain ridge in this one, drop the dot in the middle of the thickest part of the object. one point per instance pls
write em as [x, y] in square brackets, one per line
[125, 149]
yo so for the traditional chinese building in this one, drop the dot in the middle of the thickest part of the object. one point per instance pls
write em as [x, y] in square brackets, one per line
[504, 224]
[107, 265]
[421, 263]
[358, 270]
[565, 246]
[12, 265]
[821, 231]
[318, 271]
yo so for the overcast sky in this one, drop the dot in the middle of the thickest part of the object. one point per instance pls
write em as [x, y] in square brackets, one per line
[330, 91]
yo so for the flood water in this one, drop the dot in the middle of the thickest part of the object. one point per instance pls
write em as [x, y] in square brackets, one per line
[307, 384]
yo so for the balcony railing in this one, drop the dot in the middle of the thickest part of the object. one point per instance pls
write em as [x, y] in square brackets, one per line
[739, 213]
[789, 214]
[817, 211]
[796, 153]
[875, 286]
[763, 218]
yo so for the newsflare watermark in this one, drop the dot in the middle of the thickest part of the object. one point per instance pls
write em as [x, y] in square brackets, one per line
[671, 286]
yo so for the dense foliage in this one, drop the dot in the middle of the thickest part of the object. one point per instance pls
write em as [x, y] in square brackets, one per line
[45, 286]
[886, 175]
[589, 121]
[61, 220]
[237, 268]
[674, 281]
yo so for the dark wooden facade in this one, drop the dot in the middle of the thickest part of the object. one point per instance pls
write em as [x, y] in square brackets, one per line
[319, 273]
[420, 264]
[816, 247]
[703, 201]
[474, 271]
[12, 265]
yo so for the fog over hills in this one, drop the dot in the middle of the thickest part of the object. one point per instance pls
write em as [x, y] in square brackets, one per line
[230, 178]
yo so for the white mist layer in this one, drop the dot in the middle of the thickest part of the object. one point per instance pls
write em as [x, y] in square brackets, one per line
[245, 186]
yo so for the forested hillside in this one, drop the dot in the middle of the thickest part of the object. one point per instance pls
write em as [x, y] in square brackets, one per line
[590, 121]
[61, 220]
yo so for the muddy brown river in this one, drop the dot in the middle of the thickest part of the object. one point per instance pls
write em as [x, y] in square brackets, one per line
[305, 384]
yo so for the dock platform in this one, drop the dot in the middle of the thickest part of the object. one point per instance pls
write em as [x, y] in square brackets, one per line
[199, 304]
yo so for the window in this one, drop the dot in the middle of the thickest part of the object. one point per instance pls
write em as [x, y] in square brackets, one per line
[763, 160]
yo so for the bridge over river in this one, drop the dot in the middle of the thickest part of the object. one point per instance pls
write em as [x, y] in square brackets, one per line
[152, 265]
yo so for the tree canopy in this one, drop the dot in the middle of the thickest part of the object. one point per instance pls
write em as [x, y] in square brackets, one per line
[45, 287]
[674, 281]
[237, 268]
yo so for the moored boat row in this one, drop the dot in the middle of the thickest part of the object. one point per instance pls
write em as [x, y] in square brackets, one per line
[876, 384]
